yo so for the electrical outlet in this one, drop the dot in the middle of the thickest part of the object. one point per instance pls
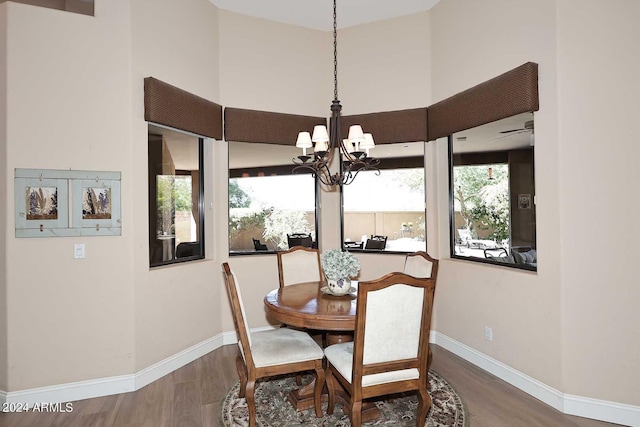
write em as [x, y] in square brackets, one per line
[488, 333]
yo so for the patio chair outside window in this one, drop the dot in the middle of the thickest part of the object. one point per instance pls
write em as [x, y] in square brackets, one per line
[258, 245]
[300, 239]
[376, 242]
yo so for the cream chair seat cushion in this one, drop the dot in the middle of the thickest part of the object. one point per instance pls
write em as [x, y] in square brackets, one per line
[282, 346]
[341, 357]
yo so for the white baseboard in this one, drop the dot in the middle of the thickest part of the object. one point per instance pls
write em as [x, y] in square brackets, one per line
[70, 392]
[170, 364]
[603, 410]
[612, 412]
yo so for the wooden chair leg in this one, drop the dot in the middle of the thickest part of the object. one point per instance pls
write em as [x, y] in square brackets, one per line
[251, 402]
[356, 413]
[242, 374]
[424, 403]
[429, 360]
[317, 392]
[331, 391]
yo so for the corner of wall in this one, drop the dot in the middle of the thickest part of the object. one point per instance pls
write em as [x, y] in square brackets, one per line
[3, 199]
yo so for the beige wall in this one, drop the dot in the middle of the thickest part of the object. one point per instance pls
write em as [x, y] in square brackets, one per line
[566, 319]
[472, 42]
[86, 112]
[269, 66]
[177, 306]
[598, 92]
[3, 196]
[385, 65]
[265, 65]
[68, 108]
[382, 66]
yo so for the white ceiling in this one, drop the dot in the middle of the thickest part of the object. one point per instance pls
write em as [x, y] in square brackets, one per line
[318, 14]
[490, 137]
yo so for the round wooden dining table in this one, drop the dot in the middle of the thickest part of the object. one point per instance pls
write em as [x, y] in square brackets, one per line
[305, 305]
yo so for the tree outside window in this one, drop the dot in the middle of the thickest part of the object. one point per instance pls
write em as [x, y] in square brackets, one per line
[481, 196]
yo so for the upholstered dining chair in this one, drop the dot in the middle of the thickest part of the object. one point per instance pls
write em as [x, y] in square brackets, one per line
[389, 351]
[271, 352]
[298, 264]
[421, 264]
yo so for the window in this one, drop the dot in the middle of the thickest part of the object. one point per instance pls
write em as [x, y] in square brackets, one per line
[493, 193]
[267, 203]
[386, 211]
[176, 196]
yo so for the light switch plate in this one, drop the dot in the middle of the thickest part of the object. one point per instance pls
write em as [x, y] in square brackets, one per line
[78, 250]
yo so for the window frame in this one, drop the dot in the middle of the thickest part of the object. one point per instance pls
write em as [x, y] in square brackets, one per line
[452, 227]
[200, 204]
[282, 169]
[391, 161]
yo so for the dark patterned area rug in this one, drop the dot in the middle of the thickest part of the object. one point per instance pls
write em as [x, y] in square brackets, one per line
[274, 410]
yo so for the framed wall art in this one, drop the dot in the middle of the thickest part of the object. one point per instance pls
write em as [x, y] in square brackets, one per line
[44, 199]
[41, 205]
[96, 205]
[524, 201]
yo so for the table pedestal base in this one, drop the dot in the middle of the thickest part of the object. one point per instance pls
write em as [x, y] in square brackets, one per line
[301, 399]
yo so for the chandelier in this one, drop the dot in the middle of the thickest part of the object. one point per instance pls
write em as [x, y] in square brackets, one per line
[354, 150]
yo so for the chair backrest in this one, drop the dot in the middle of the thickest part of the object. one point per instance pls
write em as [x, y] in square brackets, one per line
[298, 264]
[495, 253]
[299, 239]
[238, 312]
[393, 320]
[259, 246]
[420, 264]
[376, 242]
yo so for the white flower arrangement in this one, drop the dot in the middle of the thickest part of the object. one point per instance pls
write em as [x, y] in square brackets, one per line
[337, 264]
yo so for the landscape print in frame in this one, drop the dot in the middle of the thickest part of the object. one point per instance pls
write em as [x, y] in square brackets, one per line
[96, 203]
[41, 203]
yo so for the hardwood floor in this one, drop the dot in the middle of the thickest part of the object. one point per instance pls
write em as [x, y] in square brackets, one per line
[191, 397]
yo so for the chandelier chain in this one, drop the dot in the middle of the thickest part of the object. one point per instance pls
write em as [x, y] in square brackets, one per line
[335, 52]
[351, 162]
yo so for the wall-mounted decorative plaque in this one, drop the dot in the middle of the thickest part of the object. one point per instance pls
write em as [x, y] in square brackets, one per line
[44, 198]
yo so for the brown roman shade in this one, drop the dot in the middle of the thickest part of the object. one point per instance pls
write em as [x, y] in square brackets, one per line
[511, 93]
[263, 126]
[390, 126]
[173, 107]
